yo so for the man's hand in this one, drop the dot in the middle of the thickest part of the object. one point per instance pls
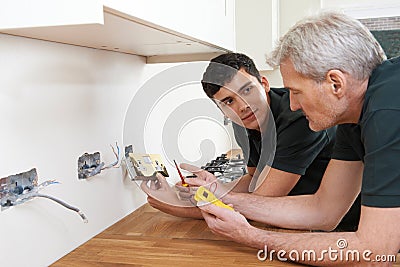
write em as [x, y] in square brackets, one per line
[186, 192]
[161, 190]
[224, 222]
[203, 177]
[208, 180]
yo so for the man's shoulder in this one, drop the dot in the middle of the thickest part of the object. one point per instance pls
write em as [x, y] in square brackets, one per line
[382, 91]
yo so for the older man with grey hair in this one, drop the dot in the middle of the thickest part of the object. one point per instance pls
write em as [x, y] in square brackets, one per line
[337, 74]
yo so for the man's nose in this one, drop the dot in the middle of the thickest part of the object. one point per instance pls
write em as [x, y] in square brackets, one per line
[294, 105]
[243, 105]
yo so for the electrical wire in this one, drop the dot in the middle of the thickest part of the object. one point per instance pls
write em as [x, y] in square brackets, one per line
[46, 183]
[216, 186]
[97, 170]
[62, 203]
[28, 194]
[114, 164]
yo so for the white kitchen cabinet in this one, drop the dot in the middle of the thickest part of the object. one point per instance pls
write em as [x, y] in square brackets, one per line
[257, 27]
[209, 20]
[41, 13]
[162, 31]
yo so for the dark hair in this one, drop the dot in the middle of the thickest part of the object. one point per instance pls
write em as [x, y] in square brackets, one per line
[217, 75]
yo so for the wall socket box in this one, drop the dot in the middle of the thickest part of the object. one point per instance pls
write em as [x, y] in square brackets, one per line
[14, 185]
[87, 164]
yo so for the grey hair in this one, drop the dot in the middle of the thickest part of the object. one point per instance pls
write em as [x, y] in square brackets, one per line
[329, 41]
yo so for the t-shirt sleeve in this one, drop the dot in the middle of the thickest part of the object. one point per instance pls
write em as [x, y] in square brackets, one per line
[345, 142]
[297, 146]
[381, 177]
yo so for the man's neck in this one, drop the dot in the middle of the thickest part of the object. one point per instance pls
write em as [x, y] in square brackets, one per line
[356, 101]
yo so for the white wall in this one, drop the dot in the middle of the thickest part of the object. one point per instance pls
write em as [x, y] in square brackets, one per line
[289, 13]
[56, 103]
[182, 123]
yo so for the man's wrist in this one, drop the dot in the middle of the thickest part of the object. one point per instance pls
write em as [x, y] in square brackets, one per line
[230, 197]
[251, 237]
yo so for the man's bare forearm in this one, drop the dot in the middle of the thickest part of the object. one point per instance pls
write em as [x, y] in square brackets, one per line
[242, 185]
[304, 210]
[320, 211]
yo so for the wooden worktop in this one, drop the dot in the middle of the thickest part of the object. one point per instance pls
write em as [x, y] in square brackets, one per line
[148, 237]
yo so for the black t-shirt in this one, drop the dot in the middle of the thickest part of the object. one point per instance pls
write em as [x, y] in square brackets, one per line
[376, 138]
[299, 150]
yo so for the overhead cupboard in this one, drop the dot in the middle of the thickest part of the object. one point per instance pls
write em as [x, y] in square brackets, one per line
[162, 31]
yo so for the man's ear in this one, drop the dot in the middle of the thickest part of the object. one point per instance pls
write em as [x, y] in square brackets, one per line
[265, 84]
[337, 82]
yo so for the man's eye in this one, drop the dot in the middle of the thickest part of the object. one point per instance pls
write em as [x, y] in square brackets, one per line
[294, 92]
[247, 90]
[228, 102]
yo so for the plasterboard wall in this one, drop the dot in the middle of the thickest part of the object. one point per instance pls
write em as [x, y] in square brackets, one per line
[289, 13]
[56, 103]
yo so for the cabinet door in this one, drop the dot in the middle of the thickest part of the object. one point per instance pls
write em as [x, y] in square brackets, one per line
[211, 21]
[38, 13]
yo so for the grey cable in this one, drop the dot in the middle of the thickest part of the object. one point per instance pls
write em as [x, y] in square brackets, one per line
[66, 205]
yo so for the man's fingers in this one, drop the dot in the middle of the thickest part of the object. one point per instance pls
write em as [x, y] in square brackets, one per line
[145, 187]
[182, 188]
[144, 178]
[200, 173]
[152, 185]
[195, 182]
[185, 195]
[162, 181]
[209, 218]
[218, 212]
[190, 168]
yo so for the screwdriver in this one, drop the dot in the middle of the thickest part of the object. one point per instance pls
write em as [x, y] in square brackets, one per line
[180, 175]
